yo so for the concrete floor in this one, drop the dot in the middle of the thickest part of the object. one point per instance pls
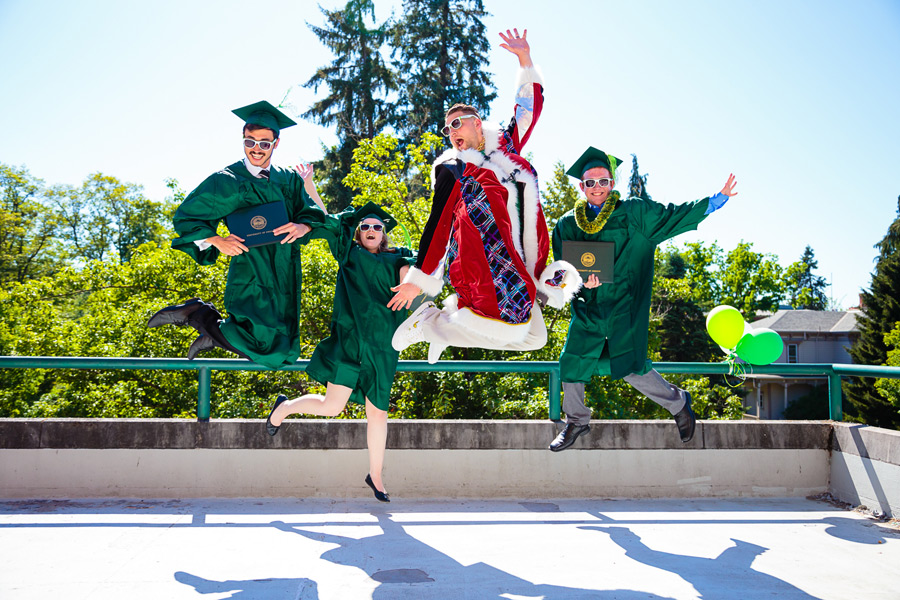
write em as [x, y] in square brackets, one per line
[567, 549]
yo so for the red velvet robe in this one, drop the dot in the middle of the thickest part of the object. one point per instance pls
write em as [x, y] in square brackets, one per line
[487, 227]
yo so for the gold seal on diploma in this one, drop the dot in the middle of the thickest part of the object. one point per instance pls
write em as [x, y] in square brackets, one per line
[588, 259]
[258, 222]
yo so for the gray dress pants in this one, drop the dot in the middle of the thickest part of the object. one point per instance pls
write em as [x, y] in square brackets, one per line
[651, 384]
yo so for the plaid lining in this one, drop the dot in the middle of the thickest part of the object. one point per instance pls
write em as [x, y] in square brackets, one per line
[512, 292]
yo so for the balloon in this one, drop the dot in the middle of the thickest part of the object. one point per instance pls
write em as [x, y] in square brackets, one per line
[760, 347]
[725, 326]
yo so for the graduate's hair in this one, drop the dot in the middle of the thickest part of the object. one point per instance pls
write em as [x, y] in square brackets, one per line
[384, 246]
[465, 109]
[255, 126]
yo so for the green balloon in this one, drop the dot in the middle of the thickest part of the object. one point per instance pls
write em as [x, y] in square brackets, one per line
[760, 347]
[725, 325]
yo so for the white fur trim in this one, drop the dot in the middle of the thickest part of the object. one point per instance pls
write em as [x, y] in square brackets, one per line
[494, 329]
[559, 296]
[526, 75]
[429, 284]
[496, 160]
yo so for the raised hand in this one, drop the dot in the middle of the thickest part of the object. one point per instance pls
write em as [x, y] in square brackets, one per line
[518, 45]
[305, 171]
[728, 190]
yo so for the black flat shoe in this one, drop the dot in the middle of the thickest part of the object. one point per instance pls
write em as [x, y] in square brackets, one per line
[201, 344]
[273, 429]
[568, 436]
[175, 315]
[686, 420]
[381, 496]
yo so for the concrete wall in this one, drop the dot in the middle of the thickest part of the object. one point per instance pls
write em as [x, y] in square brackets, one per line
[78, 458]
[865, 467]
[74, 458]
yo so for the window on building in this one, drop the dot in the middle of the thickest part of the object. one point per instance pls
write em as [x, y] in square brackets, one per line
[792, 353]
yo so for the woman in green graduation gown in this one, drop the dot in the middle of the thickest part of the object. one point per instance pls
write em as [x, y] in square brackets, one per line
[356, 362]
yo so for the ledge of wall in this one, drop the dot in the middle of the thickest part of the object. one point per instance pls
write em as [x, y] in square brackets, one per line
[347, 434]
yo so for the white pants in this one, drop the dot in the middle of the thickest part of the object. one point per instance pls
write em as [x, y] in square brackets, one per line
[441, 328]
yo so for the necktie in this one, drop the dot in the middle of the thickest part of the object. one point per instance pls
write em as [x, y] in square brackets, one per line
[264, 174]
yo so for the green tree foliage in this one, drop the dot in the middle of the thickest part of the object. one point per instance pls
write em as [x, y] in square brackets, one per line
[100, 308]
[749, 281]
[106, 218]
[28, 248]
[890, 388]
[558, 196]
[804, 290]
[881, 312]
[357, 80]
[441, 53]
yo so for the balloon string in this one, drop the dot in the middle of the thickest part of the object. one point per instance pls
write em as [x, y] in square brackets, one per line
[736, 369]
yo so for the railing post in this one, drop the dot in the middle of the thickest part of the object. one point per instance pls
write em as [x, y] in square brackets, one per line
[204, 383]
[554, 393]
[835, 399]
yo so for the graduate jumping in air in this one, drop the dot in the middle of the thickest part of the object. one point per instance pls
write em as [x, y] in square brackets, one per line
[262, 294]
[610, 321]
[356, 362]
[487, 226]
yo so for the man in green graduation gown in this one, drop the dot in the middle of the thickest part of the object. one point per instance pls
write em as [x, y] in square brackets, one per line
[262, 293]
[610, 321]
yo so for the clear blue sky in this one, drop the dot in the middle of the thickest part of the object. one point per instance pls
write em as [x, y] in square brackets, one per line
[798, 98]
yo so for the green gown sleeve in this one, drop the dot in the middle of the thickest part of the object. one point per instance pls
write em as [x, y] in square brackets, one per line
[660, 222]
[200, 213]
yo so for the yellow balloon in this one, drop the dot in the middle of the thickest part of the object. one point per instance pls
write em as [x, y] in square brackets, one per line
[725, 325]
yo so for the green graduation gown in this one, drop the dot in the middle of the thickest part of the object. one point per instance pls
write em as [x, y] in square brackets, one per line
[609, 327]
[262, 293]
[358, 353]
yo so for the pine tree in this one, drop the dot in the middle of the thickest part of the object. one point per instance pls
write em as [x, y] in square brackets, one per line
[880, 314]
[803, 289]
[637, 185]
[440, 52]
[358, 80]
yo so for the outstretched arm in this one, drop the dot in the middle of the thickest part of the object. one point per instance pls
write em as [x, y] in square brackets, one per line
[306, 174]
[529, 92]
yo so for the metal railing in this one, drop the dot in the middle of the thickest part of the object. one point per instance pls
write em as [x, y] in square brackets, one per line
[205, 367]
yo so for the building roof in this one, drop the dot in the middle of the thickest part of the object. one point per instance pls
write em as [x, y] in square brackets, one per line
[791, 321]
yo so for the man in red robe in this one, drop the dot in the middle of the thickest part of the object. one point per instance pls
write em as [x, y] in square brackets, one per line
[487, 227]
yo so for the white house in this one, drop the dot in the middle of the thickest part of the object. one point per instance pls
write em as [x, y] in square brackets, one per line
[810, 336]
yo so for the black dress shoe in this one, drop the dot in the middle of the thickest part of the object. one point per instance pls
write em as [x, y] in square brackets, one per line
[568, 436]
[686, 420]
[382, 496]
[201, 344]
[273, 429]
[175, 315]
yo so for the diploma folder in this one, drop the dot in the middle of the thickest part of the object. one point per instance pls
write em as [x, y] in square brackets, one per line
[589, 258]
[256, 223]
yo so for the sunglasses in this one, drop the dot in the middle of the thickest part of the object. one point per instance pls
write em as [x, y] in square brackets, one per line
[456, 124]
[602, 182]
[263, 144]
[366, 226]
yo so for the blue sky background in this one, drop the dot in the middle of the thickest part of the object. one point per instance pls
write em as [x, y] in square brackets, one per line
[798, 98]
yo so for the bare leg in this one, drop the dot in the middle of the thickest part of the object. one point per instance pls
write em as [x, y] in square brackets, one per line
[329, 405]
[376, 437]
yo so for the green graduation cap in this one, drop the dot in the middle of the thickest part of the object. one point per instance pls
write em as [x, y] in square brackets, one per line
[263, 113]
[592, 158]
[372, 210]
